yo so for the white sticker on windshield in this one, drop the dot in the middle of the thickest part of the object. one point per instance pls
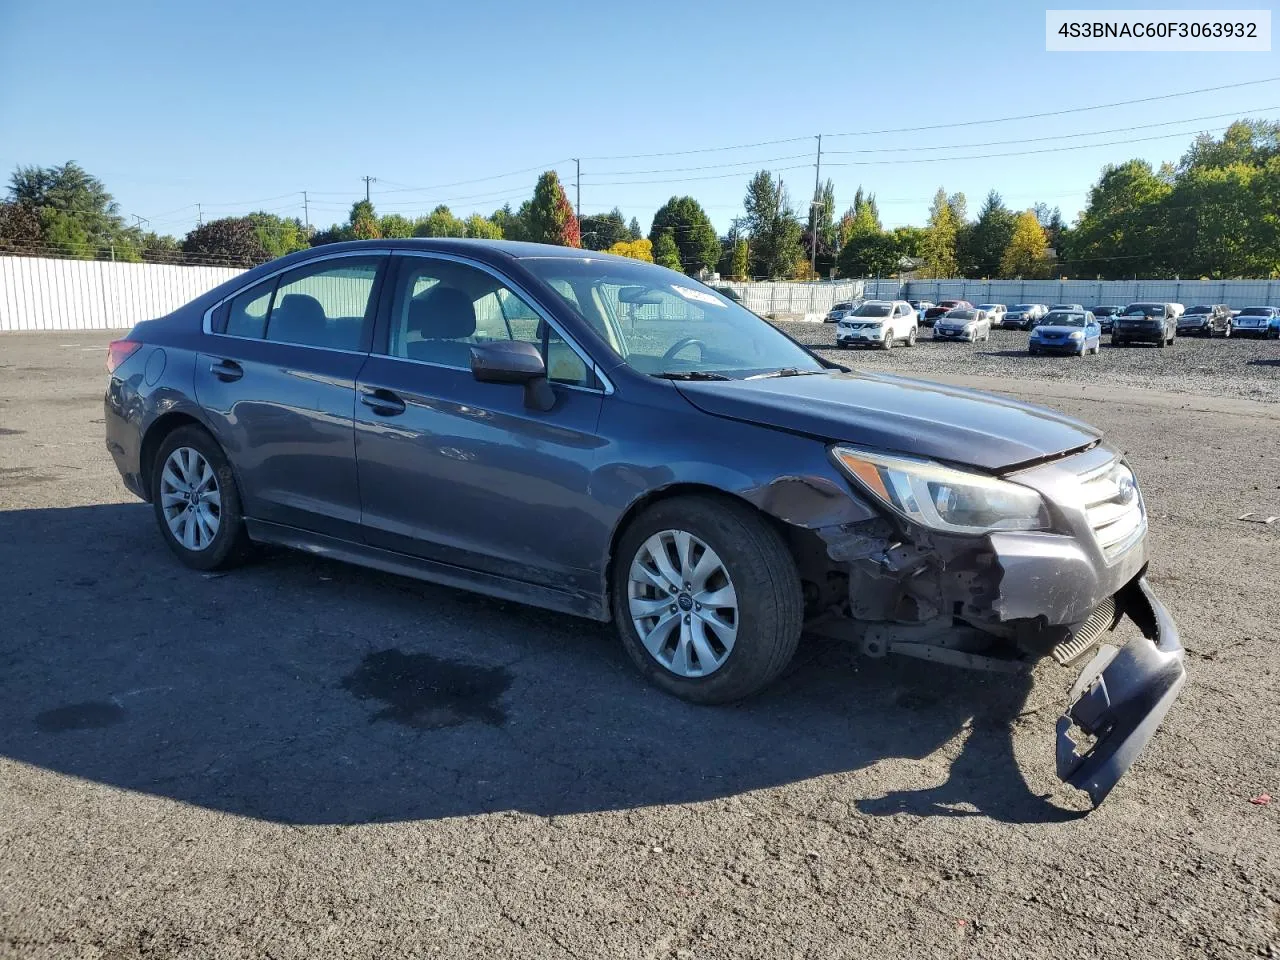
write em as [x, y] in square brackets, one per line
[698, 295]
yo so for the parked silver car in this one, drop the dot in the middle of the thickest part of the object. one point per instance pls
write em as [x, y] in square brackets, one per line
[963, 323]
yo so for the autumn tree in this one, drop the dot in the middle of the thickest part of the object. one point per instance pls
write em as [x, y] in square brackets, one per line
[938, 249]
[551, 218]
[640, 249]
[1024, 258]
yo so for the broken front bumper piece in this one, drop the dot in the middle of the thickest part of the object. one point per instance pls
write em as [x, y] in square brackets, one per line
[1122, 696]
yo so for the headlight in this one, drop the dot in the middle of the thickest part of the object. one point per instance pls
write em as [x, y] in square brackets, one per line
[943, 498]
[1077, 335]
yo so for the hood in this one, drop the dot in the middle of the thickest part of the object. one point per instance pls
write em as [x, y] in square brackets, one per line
[897, 414]
[1065, 330]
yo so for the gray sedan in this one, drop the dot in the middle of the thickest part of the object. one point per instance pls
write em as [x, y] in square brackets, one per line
[613, 440]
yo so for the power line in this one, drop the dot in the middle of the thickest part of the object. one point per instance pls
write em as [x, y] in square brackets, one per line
[1056, 113]
[404, 188]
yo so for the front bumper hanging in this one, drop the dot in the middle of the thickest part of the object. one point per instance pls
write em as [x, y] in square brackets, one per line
[1122, 696]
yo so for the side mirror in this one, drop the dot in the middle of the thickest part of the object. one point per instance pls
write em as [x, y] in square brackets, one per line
[514, 361]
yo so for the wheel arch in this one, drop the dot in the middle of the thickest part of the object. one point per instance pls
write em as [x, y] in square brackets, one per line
[800, 541]
[154, 437]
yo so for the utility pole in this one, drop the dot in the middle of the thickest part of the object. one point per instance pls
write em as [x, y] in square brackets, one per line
[199, 216]
[139, 221]
[367, 181]
[813, 212]
[306, 212]
[577, 181]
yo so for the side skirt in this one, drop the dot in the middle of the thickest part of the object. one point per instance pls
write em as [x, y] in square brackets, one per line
[432, 571]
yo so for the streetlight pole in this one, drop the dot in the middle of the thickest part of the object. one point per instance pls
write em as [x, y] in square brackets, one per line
[813, 212]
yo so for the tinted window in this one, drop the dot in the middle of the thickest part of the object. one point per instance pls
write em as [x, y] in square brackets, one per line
[440, 309]
[247, 313]
[1199, 310]
[962, 313]
[325, 304]
[1256, 312]
[1064, 319]
[873, 310]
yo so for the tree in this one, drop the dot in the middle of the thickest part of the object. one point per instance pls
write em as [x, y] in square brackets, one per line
[1123, 231]
[982, 246]
[665, 251]
[740, 265]
[19, 228]
[909, 240]
[823, 227]
[160, 249]
[394, 225]
[634, 229]
[277, 235]
[550, 217]
[640, 249]
[938, 248]
[440, 223]
[772, 227]
[482, 228]
[75, 210]
[232, 241]
[690, 227]
[1025, 258]
[362, 223]
[602, 231]
[869, 254]
[514, 225]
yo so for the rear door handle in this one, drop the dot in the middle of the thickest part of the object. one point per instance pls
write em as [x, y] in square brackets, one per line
[226, 370]
[382, 402]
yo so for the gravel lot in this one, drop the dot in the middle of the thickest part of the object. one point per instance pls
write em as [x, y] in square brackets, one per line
[1238, 367]
[303, 759]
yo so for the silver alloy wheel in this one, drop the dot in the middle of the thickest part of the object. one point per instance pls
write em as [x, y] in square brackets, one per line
[190, 498]
[683, 603]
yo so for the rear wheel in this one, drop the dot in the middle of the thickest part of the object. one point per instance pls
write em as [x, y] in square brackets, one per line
[196, 501]
[707, 598]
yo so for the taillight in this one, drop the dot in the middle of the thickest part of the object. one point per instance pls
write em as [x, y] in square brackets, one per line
[118, 351]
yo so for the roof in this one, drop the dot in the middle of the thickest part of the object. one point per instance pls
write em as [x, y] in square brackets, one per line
[511, 248]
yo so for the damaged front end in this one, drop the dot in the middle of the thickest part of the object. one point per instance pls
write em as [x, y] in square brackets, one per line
[1004, 600]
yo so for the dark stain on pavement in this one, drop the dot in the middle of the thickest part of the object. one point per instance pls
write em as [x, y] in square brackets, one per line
[9, 432]
[429, 693]
[80, 716]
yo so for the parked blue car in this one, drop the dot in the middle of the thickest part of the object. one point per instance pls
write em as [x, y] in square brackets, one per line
[1066, 331]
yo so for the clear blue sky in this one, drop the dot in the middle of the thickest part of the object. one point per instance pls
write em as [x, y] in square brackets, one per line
[242, 106]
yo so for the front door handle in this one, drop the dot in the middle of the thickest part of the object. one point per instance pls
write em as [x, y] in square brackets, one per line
[382, 402]
[226, 370]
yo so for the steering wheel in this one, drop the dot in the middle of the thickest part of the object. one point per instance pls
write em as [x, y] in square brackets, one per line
[680, 345]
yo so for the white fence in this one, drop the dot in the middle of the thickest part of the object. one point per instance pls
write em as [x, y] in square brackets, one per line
[46, 294]
[40, 294]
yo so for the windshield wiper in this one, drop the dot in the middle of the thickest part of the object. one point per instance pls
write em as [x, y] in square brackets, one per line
[786, 372]
[689, 375]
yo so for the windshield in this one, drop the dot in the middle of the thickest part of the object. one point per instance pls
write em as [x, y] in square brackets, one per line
[843, 306]
[1022, 307]
[988, 306]
[1199, 310]
[1105, 311]
[960, 313]
[1144, 310]
[1256, 312]
[1063, 319]
[660, 322]
[874, 310]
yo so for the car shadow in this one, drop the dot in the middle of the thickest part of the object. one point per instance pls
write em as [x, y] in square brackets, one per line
[1265, 362]
[303, 691]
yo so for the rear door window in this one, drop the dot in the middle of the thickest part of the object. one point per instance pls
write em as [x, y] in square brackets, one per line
[327, 304]
[246, 314]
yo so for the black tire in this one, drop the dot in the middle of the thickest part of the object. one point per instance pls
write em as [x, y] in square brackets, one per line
[767, 584]
[230, 545]
[841, 346]
[888, 342]
[911, 337]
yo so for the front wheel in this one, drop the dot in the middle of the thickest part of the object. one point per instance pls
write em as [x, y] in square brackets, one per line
[887, 343]
[197, 502]
[707, 598]
[911, 337]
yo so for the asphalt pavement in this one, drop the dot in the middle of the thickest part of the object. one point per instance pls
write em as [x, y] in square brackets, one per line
[304, 759]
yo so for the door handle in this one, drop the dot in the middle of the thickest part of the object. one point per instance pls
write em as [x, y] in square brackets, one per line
[382, 402]
[226, 370]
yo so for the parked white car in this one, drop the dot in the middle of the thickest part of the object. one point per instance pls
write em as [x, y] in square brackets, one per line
[879, 323]
[995, 312]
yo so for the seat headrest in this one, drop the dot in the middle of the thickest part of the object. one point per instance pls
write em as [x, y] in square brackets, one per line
[298, 317]
[442, 313]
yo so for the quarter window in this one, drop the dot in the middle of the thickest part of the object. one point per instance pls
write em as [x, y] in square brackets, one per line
[442, 308]
[247, 312]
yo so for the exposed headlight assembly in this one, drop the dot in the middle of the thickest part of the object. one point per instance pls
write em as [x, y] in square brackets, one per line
[943, 498]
